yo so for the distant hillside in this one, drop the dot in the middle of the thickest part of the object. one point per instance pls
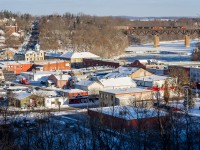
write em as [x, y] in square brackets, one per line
[83, 33]
[98, 35]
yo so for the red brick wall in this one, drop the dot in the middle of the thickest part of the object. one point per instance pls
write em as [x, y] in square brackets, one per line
[18, 68]
[57, 66]
[58, 83]
[120, 124]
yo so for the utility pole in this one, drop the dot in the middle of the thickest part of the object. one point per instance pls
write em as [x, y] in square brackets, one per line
[187, 100]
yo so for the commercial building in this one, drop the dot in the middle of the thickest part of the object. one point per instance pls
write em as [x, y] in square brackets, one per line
[31, 55]
[93, 87]
[76, 58]
[127, 117]
[16, 66]
[132, 72]
[53, 65]
[129, 96]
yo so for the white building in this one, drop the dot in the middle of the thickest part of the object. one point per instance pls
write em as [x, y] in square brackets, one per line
[38, 75]
[154, 80]
[105, 84]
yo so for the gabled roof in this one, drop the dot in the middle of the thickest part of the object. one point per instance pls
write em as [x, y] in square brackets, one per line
[126, 91]
[121, 81]
[22, 95]
[85, 83]
[15, 34]
[121, 72]
[152, 78]
[62, 76]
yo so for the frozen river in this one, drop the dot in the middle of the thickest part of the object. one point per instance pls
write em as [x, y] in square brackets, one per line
[168, 51]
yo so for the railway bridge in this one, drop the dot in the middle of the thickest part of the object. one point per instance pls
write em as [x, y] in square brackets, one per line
[157, 32]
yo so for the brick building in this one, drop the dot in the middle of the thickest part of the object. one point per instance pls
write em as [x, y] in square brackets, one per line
[11, 29]
[58, 65]
[16, 67]
[60, 81]
[127, 117]
[98, 62]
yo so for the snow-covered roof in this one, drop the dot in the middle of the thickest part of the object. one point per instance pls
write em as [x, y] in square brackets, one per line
[62, 77]
[121, 81]
[72, 90]
[39, 73]
[2, 32]
[13, 62]
[2, 38]
[22, 95]
[45, 93]
[126, 91]
[128, 112]
[15, 34]
[70, 55]
[121, 72]
[53, 54]
[32, 52]
[153, 78]
[85, 83]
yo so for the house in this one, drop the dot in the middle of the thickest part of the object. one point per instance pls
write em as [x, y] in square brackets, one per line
[2, 40]
[127, 117]
[93, 87]
[19, 56]
[41, 76]
[146, 63]
[132, 72]
[25, 100]
[76, 58]
[129, 96]
[154, 80]
[60, 81]
[52, 99]
[55, 102]
[7, 54]
[11, 29]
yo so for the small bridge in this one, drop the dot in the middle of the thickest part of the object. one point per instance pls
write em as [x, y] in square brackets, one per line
[156, 33]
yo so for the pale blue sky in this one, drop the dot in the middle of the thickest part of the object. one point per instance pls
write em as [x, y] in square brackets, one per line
[139, 8]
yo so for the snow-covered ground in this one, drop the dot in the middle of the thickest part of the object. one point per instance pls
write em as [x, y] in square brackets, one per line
[169, 51]
[195, 111]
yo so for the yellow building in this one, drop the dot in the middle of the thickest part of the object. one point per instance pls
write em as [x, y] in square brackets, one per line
[129, 96]
[34, 55]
